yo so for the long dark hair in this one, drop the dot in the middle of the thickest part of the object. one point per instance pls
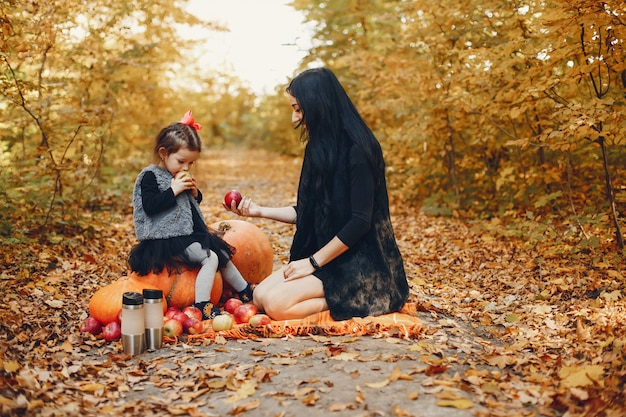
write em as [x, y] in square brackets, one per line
[330, 117]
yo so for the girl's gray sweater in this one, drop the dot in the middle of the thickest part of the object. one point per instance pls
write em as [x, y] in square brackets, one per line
[174, 222]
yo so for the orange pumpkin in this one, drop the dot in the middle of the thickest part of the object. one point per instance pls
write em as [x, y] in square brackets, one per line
[106, 303]
[179, 289]
[254, 256]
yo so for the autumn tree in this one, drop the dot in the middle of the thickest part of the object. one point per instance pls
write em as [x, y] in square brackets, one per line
[84, 88]
[498, 108]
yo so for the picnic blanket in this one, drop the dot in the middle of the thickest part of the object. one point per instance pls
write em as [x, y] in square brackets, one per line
[404, 324]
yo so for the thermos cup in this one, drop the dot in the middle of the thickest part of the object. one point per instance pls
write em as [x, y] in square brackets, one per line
[133, 323]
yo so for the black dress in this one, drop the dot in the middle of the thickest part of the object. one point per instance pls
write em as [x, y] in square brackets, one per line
[369, 278]
[154, 255]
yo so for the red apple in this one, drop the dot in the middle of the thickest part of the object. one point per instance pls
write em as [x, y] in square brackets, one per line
[231, 196]
[180, 316]
[172, 328]
[231, 304]
[91, 325]
[112, 331]
[193, 311]
[222, 322]
[244, 312]
[193, 326]
[169, 313]
[259, 320]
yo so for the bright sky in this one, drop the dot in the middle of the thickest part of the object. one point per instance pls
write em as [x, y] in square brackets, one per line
[266, 42]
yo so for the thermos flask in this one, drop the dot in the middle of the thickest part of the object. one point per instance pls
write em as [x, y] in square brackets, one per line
[153, 313]
[133, 327]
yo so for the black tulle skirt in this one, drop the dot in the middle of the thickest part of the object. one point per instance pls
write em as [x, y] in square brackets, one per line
[158, 254]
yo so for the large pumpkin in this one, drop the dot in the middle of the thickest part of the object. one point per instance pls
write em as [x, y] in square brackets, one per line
[179, 288]
[254, 256]
[106, 303]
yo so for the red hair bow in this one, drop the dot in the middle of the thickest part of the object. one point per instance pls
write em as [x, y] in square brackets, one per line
[188, 120]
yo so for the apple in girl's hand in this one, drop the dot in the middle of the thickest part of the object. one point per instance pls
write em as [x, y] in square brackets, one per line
[91, 325]
[244, 312]
[222, 322]
[193, 326]
[184, 174]
[231, 196]
[259, 320]
[193, 311]
[231, 304]
[172, 328]
[112, 331]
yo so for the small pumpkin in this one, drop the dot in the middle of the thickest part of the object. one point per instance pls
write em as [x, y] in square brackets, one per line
[179, 288]
[254, 256]
[106, 303]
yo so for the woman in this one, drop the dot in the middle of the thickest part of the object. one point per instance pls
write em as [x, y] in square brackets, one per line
[344, 256]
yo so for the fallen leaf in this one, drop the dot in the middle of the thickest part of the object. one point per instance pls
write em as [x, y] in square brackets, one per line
[581, 376]
[380, 384]
[247, 389]
[345, 356]
[250, 405]
[399, 412]
[511, 318]
[581, 394]
[342, 407]
[55, 303]
[11, 366]
[435, 369]
[92, 387]
[460, 403]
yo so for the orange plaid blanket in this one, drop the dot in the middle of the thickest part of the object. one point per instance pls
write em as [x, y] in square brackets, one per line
[403, 324]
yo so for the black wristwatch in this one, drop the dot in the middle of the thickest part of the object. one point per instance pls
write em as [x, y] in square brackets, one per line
[316, 266]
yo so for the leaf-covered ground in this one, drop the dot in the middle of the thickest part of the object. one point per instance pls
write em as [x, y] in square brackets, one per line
[509, 330]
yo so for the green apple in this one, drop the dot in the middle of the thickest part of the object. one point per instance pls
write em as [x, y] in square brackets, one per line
[222, 322]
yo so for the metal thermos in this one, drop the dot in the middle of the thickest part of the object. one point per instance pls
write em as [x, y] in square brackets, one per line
[153, 316]
[133, 327]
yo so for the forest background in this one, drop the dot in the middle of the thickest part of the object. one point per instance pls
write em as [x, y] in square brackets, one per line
[505, 116]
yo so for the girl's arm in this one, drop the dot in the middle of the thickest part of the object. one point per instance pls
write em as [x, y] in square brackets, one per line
[155, 201]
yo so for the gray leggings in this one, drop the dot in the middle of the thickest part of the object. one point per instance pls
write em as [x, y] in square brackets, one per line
[206, 276]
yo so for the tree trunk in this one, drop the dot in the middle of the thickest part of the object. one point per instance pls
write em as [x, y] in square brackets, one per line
[609, 192]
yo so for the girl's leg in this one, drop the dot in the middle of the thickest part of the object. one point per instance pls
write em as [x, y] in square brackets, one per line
[296, 299]
[204, 280]
[233, 277]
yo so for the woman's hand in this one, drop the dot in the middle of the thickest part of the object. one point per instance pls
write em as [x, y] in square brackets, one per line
[245, 208]
[297, 269]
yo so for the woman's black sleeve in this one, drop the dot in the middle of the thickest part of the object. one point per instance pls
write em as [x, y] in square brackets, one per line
[362, 188]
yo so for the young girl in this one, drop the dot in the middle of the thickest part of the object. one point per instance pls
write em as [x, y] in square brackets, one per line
[169, 223]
